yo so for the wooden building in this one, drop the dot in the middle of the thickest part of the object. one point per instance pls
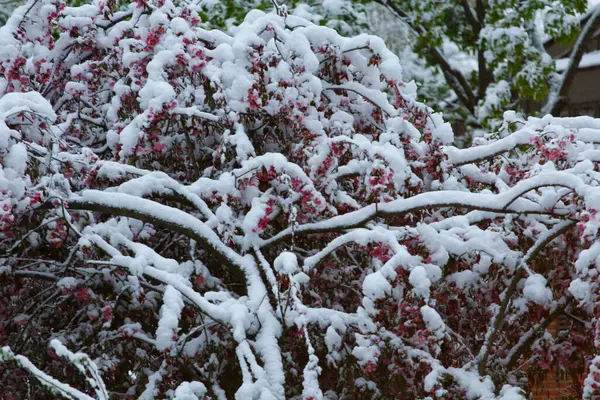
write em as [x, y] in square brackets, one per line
[584, 92]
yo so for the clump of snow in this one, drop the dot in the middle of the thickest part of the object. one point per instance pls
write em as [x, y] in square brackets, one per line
[441, 131]
[365, 351]
[190, 391]
[179, 25]
[17, 158]
[376, 286]
[511, 393]
[301, 278]
[286, 263]
[169, 318]
[536, 290]
[433, 321]
[580, 289]
[14, 103]
[463, 279]
[67, 282]
[332, 339]
[419, 281]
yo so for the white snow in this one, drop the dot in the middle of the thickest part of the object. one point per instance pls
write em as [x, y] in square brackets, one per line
[376, 286]
[16, 158]
[169, 318]
[179, 25]
[286, 263]
[588, 60]
[190, 391]
[67, 282]
[433, 321]
[419, 281]
[536, 290]
[580, 289]
[334, 199]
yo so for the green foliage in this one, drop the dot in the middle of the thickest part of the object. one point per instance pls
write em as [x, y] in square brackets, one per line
[346, 16]
[506, 33]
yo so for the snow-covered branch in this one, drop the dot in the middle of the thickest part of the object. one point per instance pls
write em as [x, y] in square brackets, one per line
[270, 213]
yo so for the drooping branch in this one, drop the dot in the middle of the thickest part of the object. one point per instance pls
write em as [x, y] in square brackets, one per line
[120, 204]
[508, 202]
[523, 136]
[194, 298]
[61, 388]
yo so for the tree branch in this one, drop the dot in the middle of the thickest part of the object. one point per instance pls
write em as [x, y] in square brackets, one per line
[557, 99]
[471, 18]
[504, 203]
[120, 204]
[528, 338]
[455, 78]
[556, 231]
[485, 76]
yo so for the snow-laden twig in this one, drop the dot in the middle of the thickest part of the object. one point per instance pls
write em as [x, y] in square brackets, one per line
[63, 389]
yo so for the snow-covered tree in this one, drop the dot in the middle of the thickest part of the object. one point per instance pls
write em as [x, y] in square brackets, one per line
[472, 58]
[269, 214]
[346, 16]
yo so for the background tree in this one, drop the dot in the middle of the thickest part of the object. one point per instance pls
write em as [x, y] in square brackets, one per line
[346, 16]
[503, 44]
[268, 213]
